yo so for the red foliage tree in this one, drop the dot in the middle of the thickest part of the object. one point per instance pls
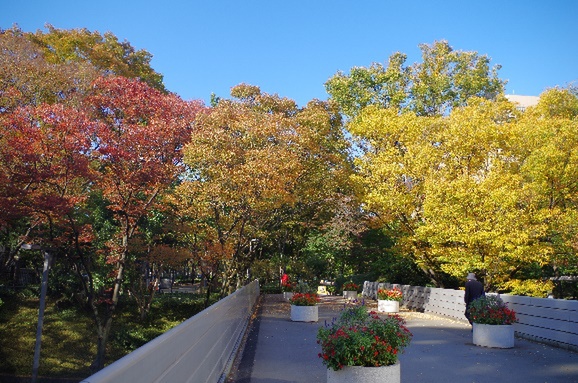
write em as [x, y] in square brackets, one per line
[44, 172]
[139, 152]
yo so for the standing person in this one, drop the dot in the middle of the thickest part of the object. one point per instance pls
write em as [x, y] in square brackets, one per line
[474, 290]
[284, 280]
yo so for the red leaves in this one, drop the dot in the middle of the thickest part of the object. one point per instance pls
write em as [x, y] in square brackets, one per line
[124, 139]
[44, 163]
[141, 138]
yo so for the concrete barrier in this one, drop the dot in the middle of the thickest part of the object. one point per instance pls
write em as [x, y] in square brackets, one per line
[551, 321]
[200, 349]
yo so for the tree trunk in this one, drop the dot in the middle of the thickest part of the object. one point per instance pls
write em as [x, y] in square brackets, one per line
[103, 334]
[104, 331]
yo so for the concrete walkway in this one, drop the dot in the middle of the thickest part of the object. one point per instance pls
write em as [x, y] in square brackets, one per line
[278, 351]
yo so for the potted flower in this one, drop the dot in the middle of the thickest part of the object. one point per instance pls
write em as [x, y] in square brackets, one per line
[492, 322]
[388, 300]
[350, 290]
[363, 347]
[304, 307]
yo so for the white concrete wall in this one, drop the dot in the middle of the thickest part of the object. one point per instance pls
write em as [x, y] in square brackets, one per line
[552, 321]
[198, 350]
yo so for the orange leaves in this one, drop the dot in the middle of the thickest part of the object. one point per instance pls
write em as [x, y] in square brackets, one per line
[242, 156]
[168, 255]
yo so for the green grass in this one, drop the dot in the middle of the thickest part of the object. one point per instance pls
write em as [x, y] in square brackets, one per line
[69, 335]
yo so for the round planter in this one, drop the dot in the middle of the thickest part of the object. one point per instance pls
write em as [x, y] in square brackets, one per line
[497, 336]
[356, 374]
[304, 313]
[386, 306]
[287, 295]
[351, 295]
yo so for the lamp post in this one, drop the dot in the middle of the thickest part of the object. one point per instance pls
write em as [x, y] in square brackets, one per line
[43, 287]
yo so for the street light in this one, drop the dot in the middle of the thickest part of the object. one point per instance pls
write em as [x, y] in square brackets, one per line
[43, 287]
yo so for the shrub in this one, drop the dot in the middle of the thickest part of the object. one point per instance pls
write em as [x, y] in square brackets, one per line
[528, 287]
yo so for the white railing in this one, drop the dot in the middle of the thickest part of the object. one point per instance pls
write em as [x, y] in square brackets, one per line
[546, 320]
[198, 350]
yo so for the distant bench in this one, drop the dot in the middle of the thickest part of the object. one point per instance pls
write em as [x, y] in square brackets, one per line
[546, 320]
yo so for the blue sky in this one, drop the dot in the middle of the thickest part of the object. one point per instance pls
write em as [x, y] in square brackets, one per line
[292, 47]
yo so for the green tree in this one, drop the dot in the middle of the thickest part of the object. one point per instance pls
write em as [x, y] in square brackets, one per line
[444, 80]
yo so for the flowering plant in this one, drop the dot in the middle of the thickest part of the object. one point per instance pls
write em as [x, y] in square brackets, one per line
[359, 338]
[350, 286]
[491, 309]
[394, 294]
[304, 299]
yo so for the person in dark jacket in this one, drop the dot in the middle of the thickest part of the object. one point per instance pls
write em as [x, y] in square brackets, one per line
[474, 290]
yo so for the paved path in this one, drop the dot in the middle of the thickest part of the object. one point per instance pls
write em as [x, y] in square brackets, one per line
[280, 351]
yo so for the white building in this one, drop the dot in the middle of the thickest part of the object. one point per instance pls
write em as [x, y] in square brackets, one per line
[523, 101]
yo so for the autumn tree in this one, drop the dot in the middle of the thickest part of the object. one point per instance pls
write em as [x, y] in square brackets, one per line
[486, 188]
[86, 159]
[59, 66]
[478, 213]
[45, 175]
[253, 160]
[103, 51]
[547, 137]
[138, 151]
[396, 114]
[392, 174]
[27, 77]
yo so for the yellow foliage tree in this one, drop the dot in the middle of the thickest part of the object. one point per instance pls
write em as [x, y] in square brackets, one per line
[486, 188]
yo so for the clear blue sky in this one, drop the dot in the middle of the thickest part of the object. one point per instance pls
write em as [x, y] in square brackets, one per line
[291, 47]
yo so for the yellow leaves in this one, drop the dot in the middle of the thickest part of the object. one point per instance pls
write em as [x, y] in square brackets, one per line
[531, 287]
[484, 188]
[557, 103]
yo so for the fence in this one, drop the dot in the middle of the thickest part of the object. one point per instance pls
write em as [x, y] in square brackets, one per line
[198, 350]
[551, 321]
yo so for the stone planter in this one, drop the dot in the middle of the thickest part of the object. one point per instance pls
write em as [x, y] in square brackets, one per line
[304, 313]
[350, 295]
[385, 306]
[355, 374]
[287, 295]
[496, 336]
